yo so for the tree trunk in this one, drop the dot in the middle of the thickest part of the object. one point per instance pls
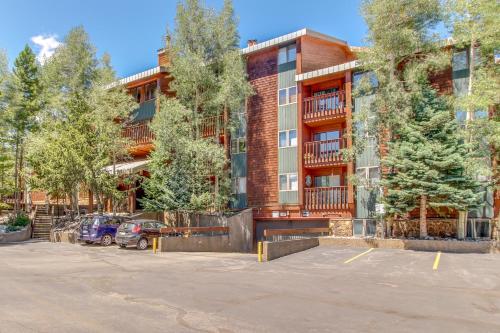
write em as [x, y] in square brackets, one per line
[423, 216]
[472, 65]
[16, 177]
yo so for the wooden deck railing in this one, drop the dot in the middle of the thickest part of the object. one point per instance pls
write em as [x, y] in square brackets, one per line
[139, 133]
[323, 152]
[331, 104]
[325, 198]
[212, 126]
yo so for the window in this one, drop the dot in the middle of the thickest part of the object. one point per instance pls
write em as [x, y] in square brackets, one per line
[288, 138]
[287, 95]
[287, 54]
[327, 181]
[460, 61]
[364, 227]
[239, 185]
[150, 91]
[289, 182]
[331, 142]
[136, 92]
[241, 125]
[238, 145]
[368, 175]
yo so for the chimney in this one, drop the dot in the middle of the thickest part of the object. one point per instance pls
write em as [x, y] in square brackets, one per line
[252, 42]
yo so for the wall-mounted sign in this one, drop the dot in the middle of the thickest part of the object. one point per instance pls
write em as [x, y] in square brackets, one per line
[308, 181]
[305, 213]
[276, 214]
[379, 208]
[283, 214]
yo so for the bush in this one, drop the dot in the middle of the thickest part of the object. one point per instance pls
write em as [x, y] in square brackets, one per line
[20, 220]
[4, 206]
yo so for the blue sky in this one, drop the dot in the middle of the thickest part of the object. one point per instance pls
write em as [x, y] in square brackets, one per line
[131, 31]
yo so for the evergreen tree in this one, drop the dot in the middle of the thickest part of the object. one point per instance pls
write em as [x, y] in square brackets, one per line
[189, 172]
[426, 161]
[6, 160]
[81, 136]
[23, 99]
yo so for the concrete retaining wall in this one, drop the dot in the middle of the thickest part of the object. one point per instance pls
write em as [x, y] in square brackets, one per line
[274, 250]
[413, 244]
[16, 236]
[239, 239]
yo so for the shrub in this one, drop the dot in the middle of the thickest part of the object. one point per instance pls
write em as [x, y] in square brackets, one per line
[4, 206]
[20, 220]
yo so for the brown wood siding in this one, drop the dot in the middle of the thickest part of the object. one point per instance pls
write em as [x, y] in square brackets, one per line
[318, 54]
[262, 131]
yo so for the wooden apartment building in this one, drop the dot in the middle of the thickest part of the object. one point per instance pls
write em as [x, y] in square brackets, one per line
[286, 155]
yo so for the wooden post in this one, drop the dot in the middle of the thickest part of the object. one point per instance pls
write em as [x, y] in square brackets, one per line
[423, 216]
[131, 201]
[350, 163]
[461, 224]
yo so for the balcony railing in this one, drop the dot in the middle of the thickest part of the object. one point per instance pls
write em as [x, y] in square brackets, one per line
[139, 133]
[325, 198]
[212, 126]
[324, 106]
[318, 153]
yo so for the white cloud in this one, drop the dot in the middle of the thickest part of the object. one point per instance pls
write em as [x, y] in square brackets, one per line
[47, 45]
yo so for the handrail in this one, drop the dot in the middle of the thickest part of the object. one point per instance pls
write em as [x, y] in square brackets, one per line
[324, 105]
[212, 126]
[325, 198]
[139, 133]
[323, 151]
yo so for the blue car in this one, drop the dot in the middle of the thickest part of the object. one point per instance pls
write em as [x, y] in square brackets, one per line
[100, 229]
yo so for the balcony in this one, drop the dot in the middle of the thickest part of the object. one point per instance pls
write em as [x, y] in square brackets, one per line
[326, 198]
[323, 153]
[322, 108]
[212, 126]
[138, 133]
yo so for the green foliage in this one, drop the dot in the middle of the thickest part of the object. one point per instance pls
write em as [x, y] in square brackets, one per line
[188, 172]
[17, 222]
[475, 22]
[427, 157]
[4, 206]
[182, 167]
[23, 102]
[80, 135]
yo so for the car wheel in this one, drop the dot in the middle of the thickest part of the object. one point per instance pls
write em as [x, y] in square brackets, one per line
[88, 242]
[142, 244]
[106, 240]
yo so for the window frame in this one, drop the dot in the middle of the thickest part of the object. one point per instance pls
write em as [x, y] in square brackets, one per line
[287, 50]
[287, 95]
[288, 182]
[236, 185]
[287, 138]
[238, 142]
[366, 179]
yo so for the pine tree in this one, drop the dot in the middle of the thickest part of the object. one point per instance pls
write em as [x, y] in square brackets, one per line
[81, 136]
[189, 172]
[426, 161]
[23, 98]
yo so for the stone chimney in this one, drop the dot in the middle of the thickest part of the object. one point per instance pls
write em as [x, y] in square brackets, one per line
[252, 42]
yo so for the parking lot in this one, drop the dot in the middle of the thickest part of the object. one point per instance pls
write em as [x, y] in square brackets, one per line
[57, 287]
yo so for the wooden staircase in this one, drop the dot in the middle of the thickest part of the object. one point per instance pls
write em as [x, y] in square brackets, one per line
[42, 223]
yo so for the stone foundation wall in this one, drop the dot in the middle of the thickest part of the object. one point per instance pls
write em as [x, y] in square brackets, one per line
[341, 228]
[442, 228]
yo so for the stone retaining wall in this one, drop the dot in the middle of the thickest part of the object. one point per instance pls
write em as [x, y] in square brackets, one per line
[16, 236]
[414, 244]
[62, 236]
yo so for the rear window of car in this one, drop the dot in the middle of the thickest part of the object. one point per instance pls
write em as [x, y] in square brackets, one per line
[127, 226]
